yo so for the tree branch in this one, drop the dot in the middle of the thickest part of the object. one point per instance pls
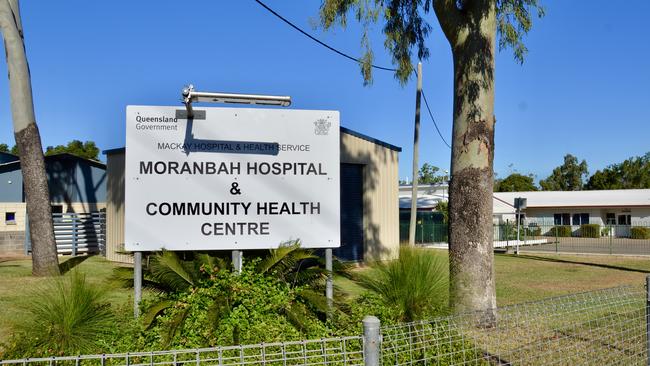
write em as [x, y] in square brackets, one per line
[449, 17]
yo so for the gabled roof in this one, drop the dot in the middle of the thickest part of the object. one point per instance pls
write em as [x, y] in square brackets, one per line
[60, 156]
[601, 198]
[6, 157]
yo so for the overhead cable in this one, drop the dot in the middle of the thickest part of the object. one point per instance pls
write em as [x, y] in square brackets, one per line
[317, 40]
[434, 120]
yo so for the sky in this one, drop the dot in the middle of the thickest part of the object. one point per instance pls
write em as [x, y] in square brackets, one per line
[583, 89]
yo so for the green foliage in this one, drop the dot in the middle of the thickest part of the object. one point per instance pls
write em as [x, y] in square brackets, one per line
[630, 174]
[228, 308]
[590, 231]
[186, 280]
[640, 232]
[406, 28]
[65, 316]
[5, 148]
[86, 149]
[533, 231]
[415, 284]
[427, 175]
[567, 177]
[562, 231]
[606, 231]
[515, 182]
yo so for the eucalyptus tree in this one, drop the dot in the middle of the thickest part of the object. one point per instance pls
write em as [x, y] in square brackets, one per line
[471, 28]
[28, 141]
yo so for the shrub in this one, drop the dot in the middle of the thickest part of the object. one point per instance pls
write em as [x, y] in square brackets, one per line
[605, 231]
[533, 231]
[640, 232]
[590, 231]
[67, 315]
[560, 231]
[227, 308]
[415, 284]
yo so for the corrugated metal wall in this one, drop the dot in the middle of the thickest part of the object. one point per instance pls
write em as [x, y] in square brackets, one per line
[380, 194]
[380, 198]
[115, 208]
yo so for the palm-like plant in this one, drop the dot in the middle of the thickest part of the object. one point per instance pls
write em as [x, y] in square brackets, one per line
[170, 273]
[416, 283]
[65, 316]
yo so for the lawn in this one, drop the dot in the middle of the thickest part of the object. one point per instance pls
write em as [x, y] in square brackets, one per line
[16, 283]
[536, 276]
[524, 278]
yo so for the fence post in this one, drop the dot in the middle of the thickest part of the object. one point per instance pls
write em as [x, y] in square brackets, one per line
[371, 341]
[610, 234]
[74, 234]
[556, 239]
[647, 319]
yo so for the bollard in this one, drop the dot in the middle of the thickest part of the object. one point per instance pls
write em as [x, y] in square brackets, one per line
[647, 319]
[371, 341]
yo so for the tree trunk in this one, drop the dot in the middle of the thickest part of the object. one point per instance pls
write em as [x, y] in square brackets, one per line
[470, 191]
[28, 140]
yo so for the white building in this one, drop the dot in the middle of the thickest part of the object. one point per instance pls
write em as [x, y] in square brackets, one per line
[607, 207]
[624, 207]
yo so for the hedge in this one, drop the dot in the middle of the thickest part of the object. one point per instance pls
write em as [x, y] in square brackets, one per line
[560, 231]
[590, 231]
[533, 231]
[640, 232]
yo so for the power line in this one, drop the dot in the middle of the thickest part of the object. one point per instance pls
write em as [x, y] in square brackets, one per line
[433, 119]
[317, 40]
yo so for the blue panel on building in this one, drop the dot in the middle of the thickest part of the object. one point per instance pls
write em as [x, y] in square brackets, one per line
[70, 179]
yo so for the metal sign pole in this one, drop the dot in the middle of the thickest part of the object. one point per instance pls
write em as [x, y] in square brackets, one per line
[329, 286]
[137, 283]
[237, 260]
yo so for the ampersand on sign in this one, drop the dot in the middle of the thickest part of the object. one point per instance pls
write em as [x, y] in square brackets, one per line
[234, 189]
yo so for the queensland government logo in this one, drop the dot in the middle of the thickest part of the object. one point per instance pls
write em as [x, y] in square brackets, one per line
[322, 127]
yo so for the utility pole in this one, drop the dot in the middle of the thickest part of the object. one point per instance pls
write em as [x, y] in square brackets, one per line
[416, 145]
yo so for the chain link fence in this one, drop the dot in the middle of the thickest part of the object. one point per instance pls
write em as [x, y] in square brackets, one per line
[605, 327]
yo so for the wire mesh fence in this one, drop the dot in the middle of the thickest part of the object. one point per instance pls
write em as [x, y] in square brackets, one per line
[330, 351]
[605, 327]
[550, 238]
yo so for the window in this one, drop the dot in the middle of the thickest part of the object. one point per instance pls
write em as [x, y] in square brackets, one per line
[10, 218]
[625, 219]
[580, 219]
[611, 218]
[562, 219]
[57, 209]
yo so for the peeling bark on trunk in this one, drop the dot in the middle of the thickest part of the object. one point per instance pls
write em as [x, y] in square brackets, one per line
[470, 192]
[28, 139]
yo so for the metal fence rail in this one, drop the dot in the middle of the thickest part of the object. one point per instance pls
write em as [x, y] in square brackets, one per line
[606, 327]
[538, 237]
[330, 351]
[77, 233]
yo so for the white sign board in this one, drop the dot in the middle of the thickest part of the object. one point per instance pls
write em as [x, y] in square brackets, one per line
[240, 178]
